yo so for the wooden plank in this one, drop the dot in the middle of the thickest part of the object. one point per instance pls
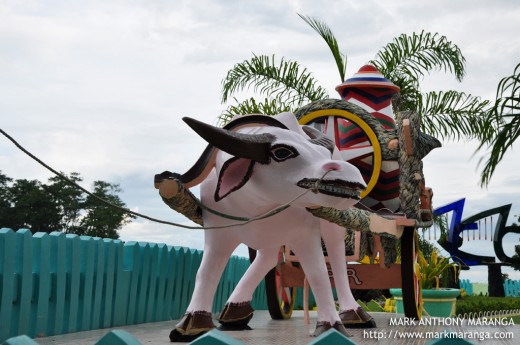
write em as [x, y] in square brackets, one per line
[152, 283]
[144, 277]
[23, 271]
[122, 289]
[361, 276]
[7, 260]
[73, 259]
[132, 259]
[168, 308]
[185, 282]
[179, 275]
[42, 269]
[86, 296]
[113, 250]
[196, 258]
[162, 278]
[58, 262]
[99, 274]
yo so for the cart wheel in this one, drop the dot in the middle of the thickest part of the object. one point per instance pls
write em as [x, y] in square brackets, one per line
[360, 126]
[280, 299]
[411, 285]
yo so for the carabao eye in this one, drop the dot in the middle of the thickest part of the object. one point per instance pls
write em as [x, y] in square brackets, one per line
[282, 152]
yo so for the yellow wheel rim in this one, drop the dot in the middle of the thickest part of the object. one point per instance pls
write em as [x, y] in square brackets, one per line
[372, 137]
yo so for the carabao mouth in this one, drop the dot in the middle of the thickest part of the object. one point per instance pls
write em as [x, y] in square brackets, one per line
[337, 188]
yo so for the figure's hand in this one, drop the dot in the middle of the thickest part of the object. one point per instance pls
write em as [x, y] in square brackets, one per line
[167, 183]
[168, 188]
[393, 144]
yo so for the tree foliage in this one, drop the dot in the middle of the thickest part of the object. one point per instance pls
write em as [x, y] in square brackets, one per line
[455, 115]
[252, 106]
[406, 60]
[326, 33]
[286, 81]
[59, 206]
[506, 110]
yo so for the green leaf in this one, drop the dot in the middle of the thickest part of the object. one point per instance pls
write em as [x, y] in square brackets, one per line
[408, 58]
[419, 54]
[326, 33]
[251, 106]
[286, 81]
[506, 109]
[455, 115]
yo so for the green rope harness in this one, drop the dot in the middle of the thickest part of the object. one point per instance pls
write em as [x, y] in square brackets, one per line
[243, 220]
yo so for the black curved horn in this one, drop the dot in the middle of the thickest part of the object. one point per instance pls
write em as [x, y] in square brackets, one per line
[256, 147]
[230, 142]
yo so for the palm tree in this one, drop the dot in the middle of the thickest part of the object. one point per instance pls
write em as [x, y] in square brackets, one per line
[286, 85]
[507, 111]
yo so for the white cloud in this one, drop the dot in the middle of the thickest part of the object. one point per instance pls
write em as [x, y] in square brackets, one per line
[100, 87]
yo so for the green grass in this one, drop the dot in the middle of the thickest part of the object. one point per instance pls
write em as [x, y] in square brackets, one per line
[476, 304]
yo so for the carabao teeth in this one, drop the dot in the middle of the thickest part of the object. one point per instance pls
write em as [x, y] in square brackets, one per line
[331, 189]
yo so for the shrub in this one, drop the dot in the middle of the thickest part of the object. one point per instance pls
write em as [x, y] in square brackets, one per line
[476, 304]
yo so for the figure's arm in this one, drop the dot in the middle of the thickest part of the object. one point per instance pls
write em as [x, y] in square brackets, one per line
[388, 225]
[177, 197]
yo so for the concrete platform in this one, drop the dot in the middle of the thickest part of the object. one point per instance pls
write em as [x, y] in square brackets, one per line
[391, 330]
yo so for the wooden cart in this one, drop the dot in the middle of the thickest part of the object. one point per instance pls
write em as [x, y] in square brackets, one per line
[414, 203]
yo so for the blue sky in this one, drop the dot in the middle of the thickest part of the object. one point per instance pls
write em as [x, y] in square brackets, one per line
[99, 87]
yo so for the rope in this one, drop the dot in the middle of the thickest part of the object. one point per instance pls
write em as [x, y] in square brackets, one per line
[106, 202]
[72, 183]
[274, 211]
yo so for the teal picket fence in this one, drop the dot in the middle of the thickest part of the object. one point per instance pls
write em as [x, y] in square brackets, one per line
[512, 288]
[59, 283]
[467, 286]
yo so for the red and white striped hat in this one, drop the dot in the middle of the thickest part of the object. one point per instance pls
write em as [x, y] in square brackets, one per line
[368, 76]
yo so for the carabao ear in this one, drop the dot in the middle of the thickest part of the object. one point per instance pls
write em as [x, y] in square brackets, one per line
[234, 175]
[290, 121]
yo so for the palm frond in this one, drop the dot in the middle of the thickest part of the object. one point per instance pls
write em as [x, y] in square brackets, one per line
[504, 140]
[509, 105]
[453, 115]
[507, 108]
[287, 81]
[409, 96]
[251, 106]
[326, 33]
[419, 54]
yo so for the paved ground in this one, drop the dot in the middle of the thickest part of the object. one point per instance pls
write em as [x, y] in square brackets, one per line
[293, 331]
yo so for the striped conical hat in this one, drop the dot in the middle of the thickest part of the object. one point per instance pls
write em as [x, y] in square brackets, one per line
[368, 76]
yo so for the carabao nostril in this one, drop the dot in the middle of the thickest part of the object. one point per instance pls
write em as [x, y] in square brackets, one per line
[332, 166]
